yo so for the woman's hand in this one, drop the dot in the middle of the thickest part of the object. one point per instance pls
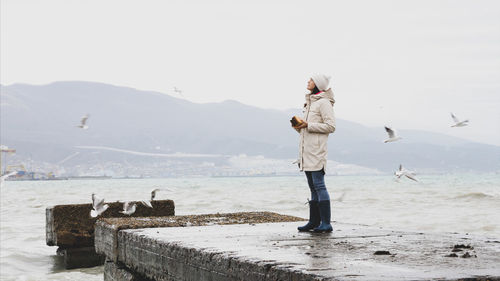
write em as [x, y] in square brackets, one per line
[301, 126]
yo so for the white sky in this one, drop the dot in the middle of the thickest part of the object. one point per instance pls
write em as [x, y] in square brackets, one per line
[407, 64]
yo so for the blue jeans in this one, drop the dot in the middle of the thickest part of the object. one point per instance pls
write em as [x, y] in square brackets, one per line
[316, 181]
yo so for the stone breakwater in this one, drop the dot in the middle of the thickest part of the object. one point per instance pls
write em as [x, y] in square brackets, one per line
[71, 228]
[251, 246]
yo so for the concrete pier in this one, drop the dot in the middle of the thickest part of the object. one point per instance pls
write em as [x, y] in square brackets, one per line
[108, 230]
[118, 272]
[71, 228]
[276, 251]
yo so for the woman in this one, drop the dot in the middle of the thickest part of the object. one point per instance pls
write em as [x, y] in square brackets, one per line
[319, 122]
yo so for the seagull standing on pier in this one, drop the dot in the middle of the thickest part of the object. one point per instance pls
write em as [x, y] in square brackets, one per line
[147, 203]
[392, 135]
[83, 122]
[128, 208]
[459, 123]
[403, 172]
[98, 206]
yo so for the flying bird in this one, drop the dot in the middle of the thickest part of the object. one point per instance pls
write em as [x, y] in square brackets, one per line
[403, 172]
[392, 135]
[459, 123]
[83, 122]
[178, 91]
[147, 203]
[128, 208]
[98, 206]
[4, 177]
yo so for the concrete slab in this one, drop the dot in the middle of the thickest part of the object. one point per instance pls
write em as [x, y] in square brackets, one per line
[276, 251]
[71, 225]
[107, 229]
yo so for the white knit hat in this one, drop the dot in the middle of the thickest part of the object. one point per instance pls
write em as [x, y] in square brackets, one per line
[321, 81]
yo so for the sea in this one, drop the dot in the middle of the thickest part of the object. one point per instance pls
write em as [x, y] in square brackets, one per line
[463, 203]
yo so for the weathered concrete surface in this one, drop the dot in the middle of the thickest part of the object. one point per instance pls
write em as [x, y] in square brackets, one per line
[276, 251]
[80, 257]
[71, 225]
[118, 272]
[106, 231]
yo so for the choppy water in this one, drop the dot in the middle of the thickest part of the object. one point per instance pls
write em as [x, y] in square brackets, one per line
[440, 203]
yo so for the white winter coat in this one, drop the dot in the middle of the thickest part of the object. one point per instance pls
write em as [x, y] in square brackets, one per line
[313, 144]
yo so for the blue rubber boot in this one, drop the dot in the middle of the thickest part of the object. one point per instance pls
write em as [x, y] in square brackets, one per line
[314, 219]
[325, 214]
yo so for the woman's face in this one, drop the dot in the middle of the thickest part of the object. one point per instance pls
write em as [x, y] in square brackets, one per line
[310, 85]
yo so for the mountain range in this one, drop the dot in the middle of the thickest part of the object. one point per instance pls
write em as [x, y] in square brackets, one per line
[40, 122]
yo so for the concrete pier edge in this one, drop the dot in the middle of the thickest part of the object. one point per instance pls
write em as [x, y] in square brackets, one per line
[208, 253]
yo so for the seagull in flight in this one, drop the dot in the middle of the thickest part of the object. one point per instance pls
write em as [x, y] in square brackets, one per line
[4, 177]
[459, 123]
[83, 122]
[178, 91]
[98, 206]
[147, 203]
[403, 172]
[392, 135]
[128, 208]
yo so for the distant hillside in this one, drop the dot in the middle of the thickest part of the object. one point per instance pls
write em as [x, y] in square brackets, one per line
[40, 121]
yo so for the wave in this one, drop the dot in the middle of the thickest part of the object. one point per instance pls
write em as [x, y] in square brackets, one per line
[474, 195]
[489, 228]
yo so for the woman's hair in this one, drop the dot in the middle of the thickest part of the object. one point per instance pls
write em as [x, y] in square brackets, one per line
[315, 90]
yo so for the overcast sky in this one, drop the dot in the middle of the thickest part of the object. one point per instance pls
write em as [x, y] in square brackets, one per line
[406, 64]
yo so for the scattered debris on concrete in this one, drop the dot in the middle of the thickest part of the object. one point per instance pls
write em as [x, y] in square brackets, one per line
[250, 218]
[467, 255]
[462, 246]
[382, 253]
[459, 248]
